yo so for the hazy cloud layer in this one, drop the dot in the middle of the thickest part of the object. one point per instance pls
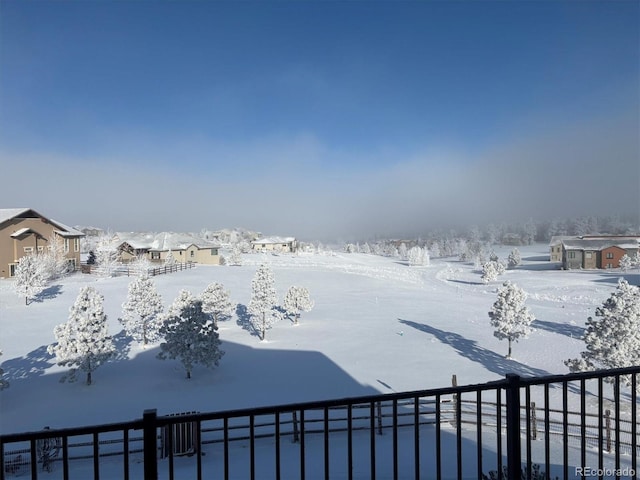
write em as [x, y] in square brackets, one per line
[299, 187]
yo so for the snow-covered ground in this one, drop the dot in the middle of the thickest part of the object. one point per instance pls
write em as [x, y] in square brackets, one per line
[378, 325]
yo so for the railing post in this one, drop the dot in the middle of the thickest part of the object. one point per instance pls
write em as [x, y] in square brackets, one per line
[534, 422]
[149, 429]
[514, 458]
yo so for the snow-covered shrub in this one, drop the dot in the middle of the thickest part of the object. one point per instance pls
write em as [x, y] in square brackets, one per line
[612, 339]
[491, 270]
[514, 258]
[509, 315]
[83, 342]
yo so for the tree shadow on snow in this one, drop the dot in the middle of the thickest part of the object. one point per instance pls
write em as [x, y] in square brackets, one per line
[48, 293]
[465, 282]
[469, 349]
[572, 331]
[630, 278]
[122, 342]
[244, 320]
[33, 364]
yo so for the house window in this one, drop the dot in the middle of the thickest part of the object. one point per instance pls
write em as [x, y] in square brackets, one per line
[192, 254]
[609, 265]
[572, 254]
[28, 249]
[71, 264]
[66, 245]
[12, 270]
[588, 255]
[76, 244]
[40, 248]
[214, 251]
[609, 255]
[155, 255]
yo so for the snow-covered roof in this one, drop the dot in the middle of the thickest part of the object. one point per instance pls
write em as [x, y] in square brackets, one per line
[17, 233]
[599, 244]
[7, 214]
[163, 241]
[557, 239]
[274, 240]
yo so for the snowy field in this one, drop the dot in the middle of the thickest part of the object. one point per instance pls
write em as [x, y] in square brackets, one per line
[378, 325]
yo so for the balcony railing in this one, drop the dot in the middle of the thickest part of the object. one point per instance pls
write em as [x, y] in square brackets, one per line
[566, 426]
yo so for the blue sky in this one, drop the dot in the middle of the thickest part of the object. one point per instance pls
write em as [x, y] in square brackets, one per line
[318, 119]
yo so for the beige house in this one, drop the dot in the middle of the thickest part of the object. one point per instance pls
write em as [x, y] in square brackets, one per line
[156, 247]
[274, 244]
[23, 231]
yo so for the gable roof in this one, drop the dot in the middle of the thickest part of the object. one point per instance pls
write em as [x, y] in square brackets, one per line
[63, 230]
[599, 244]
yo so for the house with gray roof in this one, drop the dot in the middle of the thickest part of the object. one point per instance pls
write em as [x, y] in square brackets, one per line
[24, 231]
[594, 252]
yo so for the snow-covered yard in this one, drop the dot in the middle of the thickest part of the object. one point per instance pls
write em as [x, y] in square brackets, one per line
[378, 325]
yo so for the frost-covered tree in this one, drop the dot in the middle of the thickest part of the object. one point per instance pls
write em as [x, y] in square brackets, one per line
[434, 250]
[626, 263]
[509, 315]
[217, 302]
[106, 255]
[529, 232]
[184, 298]
[170, 259]
[365, 248]
[30, 277]
[262, 306]
[55, 257]
[491, 270]
[350, 248]
[83, 342]
[3, 383]
[418, 256]
[612, 339]
[142, 311]
[402, 251]
[191, 337]
[141, 266]
[514, 258]
[236, 256]
[297, 300]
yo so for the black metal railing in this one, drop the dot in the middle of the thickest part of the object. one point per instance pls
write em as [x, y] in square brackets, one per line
[563, 425]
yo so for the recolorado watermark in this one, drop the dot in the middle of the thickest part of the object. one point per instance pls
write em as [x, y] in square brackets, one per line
[605, 472]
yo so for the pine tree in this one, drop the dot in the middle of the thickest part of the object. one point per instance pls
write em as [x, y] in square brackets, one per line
[626, 263]
[416, 256]
[142, 311]
[297, 300]
[514, 258]
[236, 256]
[612, 339]
[491, 270]
[262, 306]
[216, 301]
[509, 315]
[83, 341]
[191, 337]
[30, 277]
[402, 251]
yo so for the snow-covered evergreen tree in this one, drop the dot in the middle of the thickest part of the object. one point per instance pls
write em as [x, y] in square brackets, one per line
[417, 256]
[83, 342]
[350, 248]
[30, 277]
[191, 337]
[170, 259]
[434, 250]
[297, 300]
[3, 383]
[106, 255]
[612, 339]
[514, 258]
[402, 250]
[184, 298]
[217, 302]
[262, 306]
[626, 263]
[491, 270]
[236, 256]
[142, 311]
[365, 248]
[509, 315]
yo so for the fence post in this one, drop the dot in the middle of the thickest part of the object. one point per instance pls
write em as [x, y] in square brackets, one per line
[296, 436]
[514, 458]
[379, 408]
[607, 426]
[534, 422]
[454, 383]
[150, 441]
